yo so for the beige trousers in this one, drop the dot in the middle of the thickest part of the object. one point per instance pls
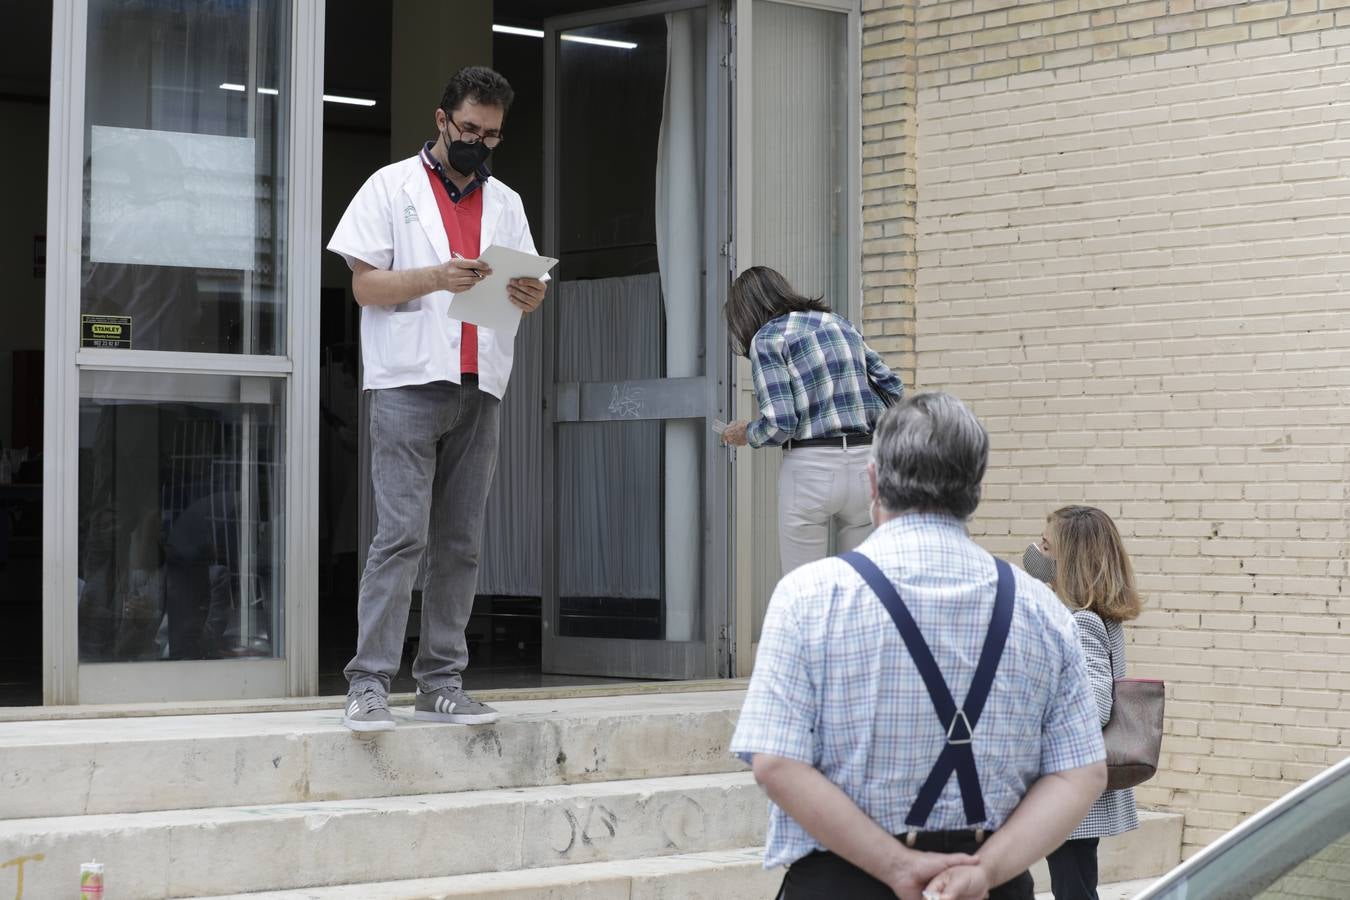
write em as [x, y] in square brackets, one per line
[819, 487]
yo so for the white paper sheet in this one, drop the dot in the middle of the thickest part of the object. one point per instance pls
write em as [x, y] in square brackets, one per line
[487, 303]
[164, 198]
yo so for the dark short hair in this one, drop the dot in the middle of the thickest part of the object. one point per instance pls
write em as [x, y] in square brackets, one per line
[759, 296]
[930, 452]
[480, 84]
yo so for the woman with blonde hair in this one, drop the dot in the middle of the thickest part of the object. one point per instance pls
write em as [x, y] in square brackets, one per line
[1081, 556]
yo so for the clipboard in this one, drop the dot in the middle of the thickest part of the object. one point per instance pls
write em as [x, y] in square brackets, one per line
[487, 304]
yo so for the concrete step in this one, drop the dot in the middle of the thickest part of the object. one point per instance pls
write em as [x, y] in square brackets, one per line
[183, 853]
[1149, 851]
[1124, 890]
[724, 875]
[94, 766]
[718, 875]
[1152, 849]
[731, 875]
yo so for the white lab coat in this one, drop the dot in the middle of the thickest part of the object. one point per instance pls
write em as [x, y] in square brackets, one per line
[393, 223]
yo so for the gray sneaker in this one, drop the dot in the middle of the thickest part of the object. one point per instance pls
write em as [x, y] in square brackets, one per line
[368, 710]
[451, 704]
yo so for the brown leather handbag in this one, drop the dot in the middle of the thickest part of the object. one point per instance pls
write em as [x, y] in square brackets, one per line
[1134, 734]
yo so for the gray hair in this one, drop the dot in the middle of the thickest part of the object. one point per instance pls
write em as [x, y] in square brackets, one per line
[930, 452]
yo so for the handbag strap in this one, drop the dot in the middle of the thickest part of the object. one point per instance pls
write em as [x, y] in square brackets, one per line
[957, 722]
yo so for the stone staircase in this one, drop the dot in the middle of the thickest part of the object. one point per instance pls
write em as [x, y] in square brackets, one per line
[596, 797]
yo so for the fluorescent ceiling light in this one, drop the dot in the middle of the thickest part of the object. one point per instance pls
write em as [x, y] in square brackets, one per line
[522, 32]
[350, 101]
[575, 38]
[327, 98]
[600, 42]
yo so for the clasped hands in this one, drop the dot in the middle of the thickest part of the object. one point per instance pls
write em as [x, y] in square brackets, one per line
[919, 875]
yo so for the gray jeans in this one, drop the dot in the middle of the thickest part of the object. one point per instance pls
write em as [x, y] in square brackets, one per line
[433, 450]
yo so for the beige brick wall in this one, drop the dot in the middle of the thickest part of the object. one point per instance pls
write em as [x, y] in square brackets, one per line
[889, 123]
[1138, 273]
[964, 40]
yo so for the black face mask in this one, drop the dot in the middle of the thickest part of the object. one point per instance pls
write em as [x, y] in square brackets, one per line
[465, 158]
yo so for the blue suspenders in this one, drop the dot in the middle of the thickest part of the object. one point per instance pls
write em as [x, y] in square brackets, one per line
[958, 722]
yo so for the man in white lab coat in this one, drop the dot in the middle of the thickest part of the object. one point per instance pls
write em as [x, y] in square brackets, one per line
[412, 236]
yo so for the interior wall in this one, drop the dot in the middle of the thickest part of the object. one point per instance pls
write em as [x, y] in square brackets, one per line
[519, 159]
[25, 218]
[431, 40]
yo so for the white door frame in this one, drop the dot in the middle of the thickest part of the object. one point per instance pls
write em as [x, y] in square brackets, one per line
[296, 672]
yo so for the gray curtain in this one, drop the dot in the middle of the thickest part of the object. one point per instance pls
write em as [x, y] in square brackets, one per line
[608, 473]
[513, 526]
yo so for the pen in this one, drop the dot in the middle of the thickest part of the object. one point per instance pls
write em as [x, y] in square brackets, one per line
[455, 255]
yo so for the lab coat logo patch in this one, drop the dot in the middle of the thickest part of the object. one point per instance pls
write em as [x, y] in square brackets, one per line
[409, 214]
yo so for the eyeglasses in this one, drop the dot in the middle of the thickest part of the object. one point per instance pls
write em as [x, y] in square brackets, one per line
[471, 135]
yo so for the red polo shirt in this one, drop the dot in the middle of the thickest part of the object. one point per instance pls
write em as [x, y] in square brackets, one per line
[463, 223]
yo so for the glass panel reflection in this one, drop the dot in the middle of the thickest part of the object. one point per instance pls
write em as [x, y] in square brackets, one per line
[801, 147]
[180, 517]
[614, 527]
[184, 183]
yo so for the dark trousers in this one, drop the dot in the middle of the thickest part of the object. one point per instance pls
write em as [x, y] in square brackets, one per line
[824, 876]
[1073, 870]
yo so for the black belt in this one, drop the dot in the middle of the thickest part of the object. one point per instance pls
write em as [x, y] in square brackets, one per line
[844, 441]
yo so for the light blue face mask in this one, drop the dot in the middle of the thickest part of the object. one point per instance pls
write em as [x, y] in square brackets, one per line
[1037, 564]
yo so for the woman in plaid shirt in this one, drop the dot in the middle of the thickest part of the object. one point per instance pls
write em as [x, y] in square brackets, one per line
[1081, 556]
[819, 390]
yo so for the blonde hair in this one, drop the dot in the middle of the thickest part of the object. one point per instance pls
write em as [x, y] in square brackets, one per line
[1092, 570]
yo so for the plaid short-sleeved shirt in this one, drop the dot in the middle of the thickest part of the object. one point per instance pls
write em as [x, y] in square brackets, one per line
[834, 686]
[811, 371]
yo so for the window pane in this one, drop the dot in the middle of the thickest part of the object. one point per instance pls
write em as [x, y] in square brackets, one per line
[180, 517]
[1304, 852]
[184, 177]
[631, 115]
[618, 529]
[1324, 875]
[630, 493]
[798, 173]
[801, 147]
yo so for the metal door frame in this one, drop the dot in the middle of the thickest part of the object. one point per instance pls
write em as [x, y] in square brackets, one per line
[709, 656]
[296, 670]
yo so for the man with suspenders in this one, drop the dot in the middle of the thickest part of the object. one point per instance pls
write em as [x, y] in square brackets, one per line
[883, 673]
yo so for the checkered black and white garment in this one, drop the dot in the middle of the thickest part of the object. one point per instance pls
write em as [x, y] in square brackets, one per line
[835, 687]
[1104, 648]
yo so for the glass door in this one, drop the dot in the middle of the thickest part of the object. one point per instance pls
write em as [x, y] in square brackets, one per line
[797, 208]
[180, 407]
[635, 481]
